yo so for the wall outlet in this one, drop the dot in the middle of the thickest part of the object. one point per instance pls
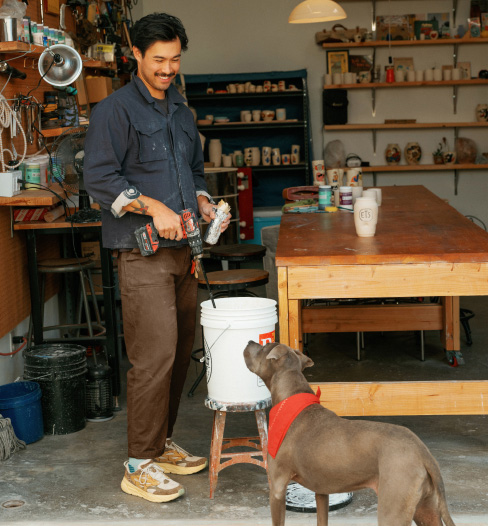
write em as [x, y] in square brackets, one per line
[10, 183]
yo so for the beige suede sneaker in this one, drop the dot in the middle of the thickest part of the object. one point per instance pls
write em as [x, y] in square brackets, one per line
[178, 461]
[150, 483]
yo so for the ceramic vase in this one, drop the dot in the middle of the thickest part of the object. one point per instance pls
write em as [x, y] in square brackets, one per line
[482, 112]
[393, 154]
[413, 153]
[215, 152]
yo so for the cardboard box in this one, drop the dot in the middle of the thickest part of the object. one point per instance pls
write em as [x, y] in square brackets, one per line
[98, 88]
[90, 249]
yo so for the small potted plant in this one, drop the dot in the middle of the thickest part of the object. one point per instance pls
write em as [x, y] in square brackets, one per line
[438, 154]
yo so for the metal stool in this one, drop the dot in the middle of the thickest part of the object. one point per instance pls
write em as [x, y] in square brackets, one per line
[83, 267]
[237, 254]
[234, 282]
[220, 444]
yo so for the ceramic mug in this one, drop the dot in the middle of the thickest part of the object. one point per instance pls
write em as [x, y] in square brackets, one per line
[266, 155]
[248, 156]
[227, 161]
[365, 216]
[447, 74]
[334, 176]
[411, 76]
[364, 77]
[328, 79]
[295, 153]
[285, 158]
[399, 75]
[429, 75]
[280, 114]
[281, 85]
[437, 75]
[276, 156]
[318, 170]
[354, 177]
[457, 74]
[256, 115]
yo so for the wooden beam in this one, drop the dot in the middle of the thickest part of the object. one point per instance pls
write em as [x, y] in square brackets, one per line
[371, 318]
[388, 281]
[283, 304]
[405, 398]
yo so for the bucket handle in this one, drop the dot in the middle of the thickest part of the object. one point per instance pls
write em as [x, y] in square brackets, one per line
[205, 345]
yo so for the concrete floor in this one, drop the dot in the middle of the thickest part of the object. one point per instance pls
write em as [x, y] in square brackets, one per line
[76, 478]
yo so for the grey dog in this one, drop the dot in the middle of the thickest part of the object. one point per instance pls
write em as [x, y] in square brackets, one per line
[390, 459]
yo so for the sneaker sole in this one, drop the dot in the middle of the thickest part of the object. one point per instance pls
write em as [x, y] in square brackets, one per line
[130, 489]
[181, 470]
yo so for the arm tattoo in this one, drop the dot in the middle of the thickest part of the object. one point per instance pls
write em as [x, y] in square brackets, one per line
[139, 207]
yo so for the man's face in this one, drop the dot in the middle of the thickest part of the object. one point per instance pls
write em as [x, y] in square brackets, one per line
[158, 66]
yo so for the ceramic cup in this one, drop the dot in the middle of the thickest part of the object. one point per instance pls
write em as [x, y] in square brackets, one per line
[295, 153]
[209, 118]
[318, 170]
[243, 115]
[256, 156]
[399, 75]
[280, 114]
[357, 191]
[274, 88]
[240, 88]
[437, 75]
[365, 216]
[235, 154]
[227, 161]
[429, 75]
[248, 117]
[334, 176]
[354, 177]
[337, 78]
[379, 196]
[232, 88]
[457, 74]
[285, 158]
[267, 115]
[447, 74]
[328, 79]
[369, 193]
[267, 85]
[364, 77]
[482, 112]
[276, 156]
[256, 115]
[411, 76]
[419, 75]
[281, 85]
[259, 89]
[248, 156]
[266, 155]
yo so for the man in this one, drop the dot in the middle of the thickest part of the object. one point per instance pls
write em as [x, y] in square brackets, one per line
[143, 156]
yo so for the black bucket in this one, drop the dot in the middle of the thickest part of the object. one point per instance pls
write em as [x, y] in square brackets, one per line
[60, 371]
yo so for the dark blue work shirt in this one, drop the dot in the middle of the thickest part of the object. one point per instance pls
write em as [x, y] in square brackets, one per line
[134, 147]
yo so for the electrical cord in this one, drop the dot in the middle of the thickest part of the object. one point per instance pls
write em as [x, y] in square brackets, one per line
[6, 114]
[24, 343]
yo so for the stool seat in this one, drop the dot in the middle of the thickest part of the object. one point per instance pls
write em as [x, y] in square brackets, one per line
[63, 265]
[238, 252]
[238, 278]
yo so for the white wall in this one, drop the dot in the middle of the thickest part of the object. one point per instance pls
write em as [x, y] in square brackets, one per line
[228, 36]
[12, 367]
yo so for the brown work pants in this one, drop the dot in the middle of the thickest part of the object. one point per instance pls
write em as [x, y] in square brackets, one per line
[159, 297]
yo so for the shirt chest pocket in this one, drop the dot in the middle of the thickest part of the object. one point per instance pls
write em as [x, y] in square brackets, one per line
[152, 142]
[186, 138]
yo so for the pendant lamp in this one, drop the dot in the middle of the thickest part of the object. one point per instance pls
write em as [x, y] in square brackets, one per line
[316, 11]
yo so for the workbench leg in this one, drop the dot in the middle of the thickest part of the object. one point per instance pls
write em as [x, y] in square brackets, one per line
[35, 295]
[283, 305]
[450, 334]
[294, 314]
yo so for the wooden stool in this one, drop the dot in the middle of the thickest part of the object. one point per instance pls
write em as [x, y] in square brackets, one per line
[237, 254]
[219, 443]
[81, 266]
[234, 282]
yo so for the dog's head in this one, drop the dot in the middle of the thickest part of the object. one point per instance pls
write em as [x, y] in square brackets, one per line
[266, 360]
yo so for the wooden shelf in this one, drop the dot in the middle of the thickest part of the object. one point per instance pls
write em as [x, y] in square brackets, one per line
[99, 64]
[34, 197]
[236, 96]
[408, 126]
[440, 83]
[404, 43]
[239, 126]
[424, 168]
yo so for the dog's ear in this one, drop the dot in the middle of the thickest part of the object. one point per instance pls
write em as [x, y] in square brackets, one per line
[304, 359]
[277, 352]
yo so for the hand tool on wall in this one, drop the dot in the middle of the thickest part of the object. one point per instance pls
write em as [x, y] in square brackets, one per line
[148, 241]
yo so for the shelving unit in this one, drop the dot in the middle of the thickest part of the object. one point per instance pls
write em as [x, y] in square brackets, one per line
[373, 86]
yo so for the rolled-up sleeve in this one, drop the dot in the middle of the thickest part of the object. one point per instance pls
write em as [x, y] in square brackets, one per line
[105, 147]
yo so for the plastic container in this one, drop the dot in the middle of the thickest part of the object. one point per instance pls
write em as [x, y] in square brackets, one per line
[226, 331]
[32, 175]
[21, 402]
[264, 216]
[60, 370]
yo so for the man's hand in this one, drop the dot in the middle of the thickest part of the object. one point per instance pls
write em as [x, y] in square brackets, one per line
[206, 209]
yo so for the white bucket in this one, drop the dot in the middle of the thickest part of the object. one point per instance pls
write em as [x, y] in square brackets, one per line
[226, 332]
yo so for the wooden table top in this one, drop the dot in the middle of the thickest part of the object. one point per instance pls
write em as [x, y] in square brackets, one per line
[414, 226]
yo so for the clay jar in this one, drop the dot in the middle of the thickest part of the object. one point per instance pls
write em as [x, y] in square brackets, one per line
[413, 153]
[482, 112]
[393, 154]
[215, 152]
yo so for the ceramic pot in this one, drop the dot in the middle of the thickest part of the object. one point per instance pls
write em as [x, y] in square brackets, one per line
[365, 216]
[413, 153]
[449, 157]
[438, 159]
[393, 154]
[215, 152]
[482, 112]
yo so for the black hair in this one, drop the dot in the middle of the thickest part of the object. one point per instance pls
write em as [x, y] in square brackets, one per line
[158, 27]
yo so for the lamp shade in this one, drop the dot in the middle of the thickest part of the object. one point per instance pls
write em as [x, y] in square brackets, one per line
[60, 65]
[316, 11]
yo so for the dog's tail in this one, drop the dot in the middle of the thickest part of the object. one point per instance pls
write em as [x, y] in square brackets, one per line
[435, 475]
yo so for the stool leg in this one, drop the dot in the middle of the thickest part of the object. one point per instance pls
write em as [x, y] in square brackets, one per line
[94, 298]
[263, 434]
[216, 449]
[85, 303]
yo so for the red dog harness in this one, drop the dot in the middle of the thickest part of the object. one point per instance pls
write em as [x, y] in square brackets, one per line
[282, 415]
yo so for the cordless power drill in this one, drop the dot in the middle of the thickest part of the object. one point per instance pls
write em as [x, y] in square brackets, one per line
[148, 241]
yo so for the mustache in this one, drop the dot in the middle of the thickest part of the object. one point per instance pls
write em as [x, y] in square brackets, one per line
[171, 75]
